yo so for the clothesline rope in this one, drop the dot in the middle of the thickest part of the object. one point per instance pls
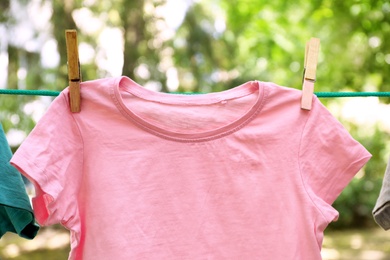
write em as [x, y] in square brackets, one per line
[29, 92]
[318, 94]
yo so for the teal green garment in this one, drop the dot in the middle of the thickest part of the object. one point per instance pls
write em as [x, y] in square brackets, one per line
[16, 214]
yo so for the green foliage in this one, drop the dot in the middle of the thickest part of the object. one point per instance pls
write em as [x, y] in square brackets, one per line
[357, 201]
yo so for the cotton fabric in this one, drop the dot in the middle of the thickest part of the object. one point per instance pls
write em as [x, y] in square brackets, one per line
[381, 211]
[240, 174]
[16, 214]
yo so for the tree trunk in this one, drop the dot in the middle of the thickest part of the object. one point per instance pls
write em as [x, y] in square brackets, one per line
[13, 67]
[134, 28]
[61, 20]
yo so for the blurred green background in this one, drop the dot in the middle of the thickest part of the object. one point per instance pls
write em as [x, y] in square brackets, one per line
[204, 46]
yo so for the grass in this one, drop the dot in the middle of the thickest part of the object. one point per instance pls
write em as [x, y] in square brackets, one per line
[53, 243]
[367, 244]
[50, 243]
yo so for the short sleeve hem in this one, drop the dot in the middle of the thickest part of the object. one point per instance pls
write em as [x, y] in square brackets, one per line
[46, 192]
[348, 174]
[329, 158]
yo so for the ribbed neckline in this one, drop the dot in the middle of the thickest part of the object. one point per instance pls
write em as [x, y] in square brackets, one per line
[128, 85]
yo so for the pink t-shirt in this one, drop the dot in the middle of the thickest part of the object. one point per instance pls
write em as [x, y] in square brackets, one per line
[240, 174]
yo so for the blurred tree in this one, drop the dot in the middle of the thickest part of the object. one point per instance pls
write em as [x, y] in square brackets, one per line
[135, 34]
[62, 20]
[4, 6]
[141, 43]
[197, 51]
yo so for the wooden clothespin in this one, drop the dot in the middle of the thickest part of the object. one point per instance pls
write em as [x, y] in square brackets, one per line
[74, 72]
[309, 74]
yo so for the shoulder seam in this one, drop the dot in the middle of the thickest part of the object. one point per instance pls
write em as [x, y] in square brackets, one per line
[300, 168]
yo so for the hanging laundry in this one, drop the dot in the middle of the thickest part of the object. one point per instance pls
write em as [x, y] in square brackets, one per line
[16, 214]
[381, 211]
[240, 174]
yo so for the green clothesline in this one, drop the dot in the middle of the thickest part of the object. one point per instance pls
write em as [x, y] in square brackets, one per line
[319, 94]
[29, 92]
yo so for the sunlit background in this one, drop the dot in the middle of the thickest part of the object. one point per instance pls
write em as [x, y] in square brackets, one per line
[205, 46]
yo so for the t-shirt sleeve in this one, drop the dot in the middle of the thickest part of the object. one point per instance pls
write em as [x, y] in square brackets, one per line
[329, 155]
[51, 158]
